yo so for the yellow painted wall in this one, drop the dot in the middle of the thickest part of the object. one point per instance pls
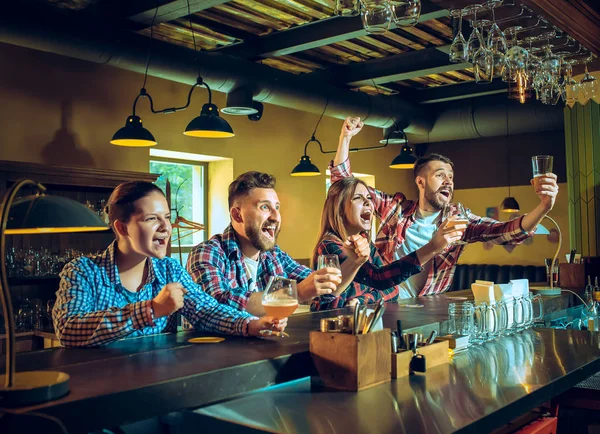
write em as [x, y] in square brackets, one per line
[63, 111]
[479, 199]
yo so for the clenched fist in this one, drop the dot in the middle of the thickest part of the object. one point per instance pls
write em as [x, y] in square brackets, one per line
[358, 249]
[351, 127]
[168, 300]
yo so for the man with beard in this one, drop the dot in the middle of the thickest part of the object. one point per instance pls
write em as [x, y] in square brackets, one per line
[235, 266]
[407, 225]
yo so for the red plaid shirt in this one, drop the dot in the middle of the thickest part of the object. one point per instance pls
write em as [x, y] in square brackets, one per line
[218, 266]
[397, 214]
[373, 281]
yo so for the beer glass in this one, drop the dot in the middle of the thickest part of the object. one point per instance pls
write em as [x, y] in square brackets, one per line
[540, 165]
[279, 299]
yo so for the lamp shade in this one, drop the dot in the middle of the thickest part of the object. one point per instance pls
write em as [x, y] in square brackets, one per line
[406, 159]
[209, 124]
[510, 204]
[305, 168]
[133, 134]
[41, 213]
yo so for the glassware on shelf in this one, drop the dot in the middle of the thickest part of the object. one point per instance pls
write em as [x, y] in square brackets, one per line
[405, 13]
[376, 17]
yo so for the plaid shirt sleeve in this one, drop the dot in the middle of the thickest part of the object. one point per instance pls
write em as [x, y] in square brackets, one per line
[79, 324]
[373, 281]
[206, 313]
[383, 203]
[486, 229]
[206, 264]
[292, 269]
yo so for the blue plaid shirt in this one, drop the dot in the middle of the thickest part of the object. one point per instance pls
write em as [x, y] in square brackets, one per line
[218, 265]
[93, 308]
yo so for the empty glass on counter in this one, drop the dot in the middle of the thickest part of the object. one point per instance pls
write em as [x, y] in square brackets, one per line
[461, 318]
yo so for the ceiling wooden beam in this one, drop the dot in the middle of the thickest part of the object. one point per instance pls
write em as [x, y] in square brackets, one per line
[318, 34]
[453, 92]
[169, 11]
[389, 69]
[575, 17]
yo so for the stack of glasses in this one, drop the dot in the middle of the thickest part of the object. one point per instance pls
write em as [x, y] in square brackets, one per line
[498, 310]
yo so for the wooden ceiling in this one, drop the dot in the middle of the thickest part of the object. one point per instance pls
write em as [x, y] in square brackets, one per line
[300, 37]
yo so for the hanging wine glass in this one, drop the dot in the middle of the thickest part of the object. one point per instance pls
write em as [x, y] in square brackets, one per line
[405, 13]
[483, 65]
[475, 41]
[496, 39]
[458, 49]
[588, 86]
[376, 16]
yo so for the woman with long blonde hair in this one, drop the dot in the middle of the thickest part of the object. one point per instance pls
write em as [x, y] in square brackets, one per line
[345, 224]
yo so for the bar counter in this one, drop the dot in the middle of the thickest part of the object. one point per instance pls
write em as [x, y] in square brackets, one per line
[140, 378]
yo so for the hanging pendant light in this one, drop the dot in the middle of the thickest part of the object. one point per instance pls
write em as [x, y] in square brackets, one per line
[133, 134]
[510, 204]
[305, 167]
[406, 159]
[209, 124]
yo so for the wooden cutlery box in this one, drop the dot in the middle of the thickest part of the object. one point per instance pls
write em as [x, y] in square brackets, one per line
[350, 362]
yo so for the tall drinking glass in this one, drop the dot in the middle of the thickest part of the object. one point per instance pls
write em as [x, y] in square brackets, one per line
[279, 299]
[541, 164]
[456, 215]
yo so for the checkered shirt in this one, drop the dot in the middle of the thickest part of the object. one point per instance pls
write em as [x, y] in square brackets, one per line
[93, 308]
[373, 281]
[218, 266]
[397, 214]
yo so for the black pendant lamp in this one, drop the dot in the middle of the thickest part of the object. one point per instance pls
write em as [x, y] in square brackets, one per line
[209, 124]
[406, 159]
[133, 134]
[510, 204]
[305, 167]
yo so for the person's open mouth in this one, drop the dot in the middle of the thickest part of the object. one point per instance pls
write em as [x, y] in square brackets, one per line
[365, 216]
[160, 241]
[446, 192]
[269, 230]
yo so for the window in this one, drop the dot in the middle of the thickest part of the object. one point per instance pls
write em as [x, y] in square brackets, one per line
[189, 199]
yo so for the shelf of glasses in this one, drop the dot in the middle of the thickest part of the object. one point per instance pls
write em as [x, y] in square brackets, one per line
[32, 280]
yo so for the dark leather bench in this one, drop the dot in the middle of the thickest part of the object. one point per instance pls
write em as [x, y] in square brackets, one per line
[466, 274]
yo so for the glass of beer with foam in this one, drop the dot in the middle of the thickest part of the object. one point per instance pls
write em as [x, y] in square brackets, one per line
[540, 165]
[279, 299]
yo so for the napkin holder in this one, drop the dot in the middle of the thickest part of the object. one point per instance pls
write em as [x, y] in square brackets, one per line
[350, 362]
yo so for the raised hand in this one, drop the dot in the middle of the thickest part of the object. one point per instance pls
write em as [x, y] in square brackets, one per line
[168, 300]
[546, 187]
[351, 127]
